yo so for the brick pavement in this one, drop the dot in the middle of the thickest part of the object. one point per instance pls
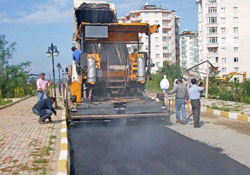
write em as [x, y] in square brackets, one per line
[27, 147]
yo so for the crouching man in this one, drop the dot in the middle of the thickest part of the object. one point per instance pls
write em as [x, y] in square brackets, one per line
[44, 109]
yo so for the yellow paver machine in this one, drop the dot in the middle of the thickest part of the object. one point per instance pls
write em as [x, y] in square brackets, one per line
[113, 71]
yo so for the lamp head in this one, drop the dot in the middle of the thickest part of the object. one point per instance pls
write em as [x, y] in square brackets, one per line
[48, 53]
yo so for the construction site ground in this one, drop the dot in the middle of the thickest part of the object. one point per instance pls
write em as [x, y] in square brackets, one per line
[27, 147]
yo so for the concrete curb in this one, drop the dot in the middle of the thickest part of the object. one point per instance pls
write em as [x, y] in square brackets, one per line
[63, 161]
[219, 113]
[10, 104]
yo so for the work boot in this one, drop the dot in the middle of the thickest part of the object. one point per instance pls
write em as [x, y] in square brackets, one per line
[50, 120]
[41, 122]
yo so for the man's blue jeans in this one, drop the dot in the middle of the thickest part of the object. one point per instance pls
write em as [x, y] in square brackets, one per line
[180, 103]
[41, 95]
[44, 114]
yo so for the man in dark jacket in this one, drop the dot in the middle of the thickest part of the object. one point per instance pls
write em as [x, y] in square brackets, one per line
[44, 109]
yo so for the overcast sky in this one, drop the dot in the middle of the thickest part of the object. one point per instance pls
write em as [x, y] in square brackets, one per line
[35, 24]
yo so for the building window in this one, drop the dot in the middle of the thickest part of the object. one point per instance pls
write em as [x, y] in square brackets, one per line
[165, 55]
[157, 39]
[236, 19]
[236, 39]
[223, 30]
[146, 47]
[236, 69]
[158, 64]
[212, 1]
[223, 40]
[157, 55]
[236, 29]
[165, 47]
[165, 23]
[223, 9]
[223, 19]
[236, 59]
[212, 50]
[223, 60]
[224, 49]
[164, 31]
[236, 49]
[212, 9]
[212, 30]
[212, 20]
[213, 40]
[156, 22]
[223, 69]
[164, 39]
[157, 47]
[236, 9]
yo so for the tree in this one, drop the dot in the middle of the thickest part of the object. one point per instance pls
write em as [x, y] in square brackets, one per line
[173, 71]
[11, 76]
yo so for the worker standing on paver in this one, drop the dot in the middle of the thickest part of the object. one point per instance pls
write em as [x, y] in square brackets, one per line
[44, 109]
[164, 84]
[195, 95]
[76, 54]
[181, 98]
[42, 85]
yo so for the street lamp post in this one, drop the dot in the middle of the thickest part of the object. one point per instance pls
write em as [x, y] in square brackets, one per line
[59, 76]
[52, 50]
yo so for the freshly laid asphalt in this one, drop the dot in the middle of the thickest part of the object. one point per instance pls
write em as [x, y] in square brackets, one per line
[143, 147]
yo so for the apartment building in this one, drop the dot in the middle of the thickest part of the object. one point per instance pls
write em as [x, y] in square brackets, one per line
[224, 34]
[189, 49]
[164, 43]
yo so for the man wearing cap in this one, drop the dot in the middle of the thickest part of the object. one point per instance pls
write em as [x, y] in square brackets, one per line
[195, 95]
[181, 96]
[42, 85]
[164, 84]
[76, 54]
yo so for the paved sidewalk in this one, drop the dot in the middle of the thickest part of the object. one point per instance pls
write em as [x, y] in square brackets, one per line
[27, 147]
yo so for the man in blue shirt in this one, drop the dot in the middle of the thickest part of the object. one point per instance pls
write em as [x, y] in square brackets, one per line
[195, 95]
[44, 109]
[76, 54]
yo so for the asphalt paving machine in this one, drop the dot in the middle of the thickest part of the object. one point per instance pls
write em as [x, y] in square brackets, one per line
[109, 80]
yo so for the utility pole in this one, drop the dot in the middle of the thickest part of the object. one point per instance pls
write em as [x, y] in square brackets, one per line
[207, 80]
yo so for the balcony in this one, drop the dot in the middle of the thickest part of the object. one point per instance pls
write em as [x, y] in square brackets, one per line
[212, 54]
[136, 19]
[212, 45]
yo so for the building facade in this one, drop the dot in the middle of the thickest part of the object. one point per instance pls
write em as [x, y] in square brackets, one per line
[189, 50]
[224, 34]
[164, 43]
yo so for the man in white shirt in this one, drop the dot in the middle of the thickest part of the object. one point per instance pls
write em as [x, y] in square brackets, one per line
[164, 84]
[42, 85]
[195, 95]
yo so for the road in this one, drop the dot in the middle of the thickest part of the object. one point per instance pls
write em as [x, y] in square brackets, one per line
[147, 147]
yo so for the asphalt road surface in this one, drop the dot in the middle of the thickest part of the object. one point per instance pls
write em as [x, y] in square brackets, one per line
[143, 147]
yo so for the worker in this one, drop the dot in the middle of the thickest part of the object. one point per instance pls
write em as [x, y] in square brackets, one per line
[181, 98]
[164, 84]
[195, 95]
[42, 85]
[76, 54]
[44, 109]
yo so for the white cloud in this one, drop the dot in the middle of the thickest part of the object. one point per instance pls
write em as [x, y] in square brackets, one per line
[53, 11]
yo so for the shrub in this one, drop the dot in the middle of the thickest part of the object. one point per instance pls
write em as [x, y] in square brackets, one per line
[19, 92]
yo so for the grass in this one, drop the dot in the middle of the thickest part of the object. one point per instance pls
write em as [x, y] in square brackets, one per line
[226, 109]
[5, 102]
